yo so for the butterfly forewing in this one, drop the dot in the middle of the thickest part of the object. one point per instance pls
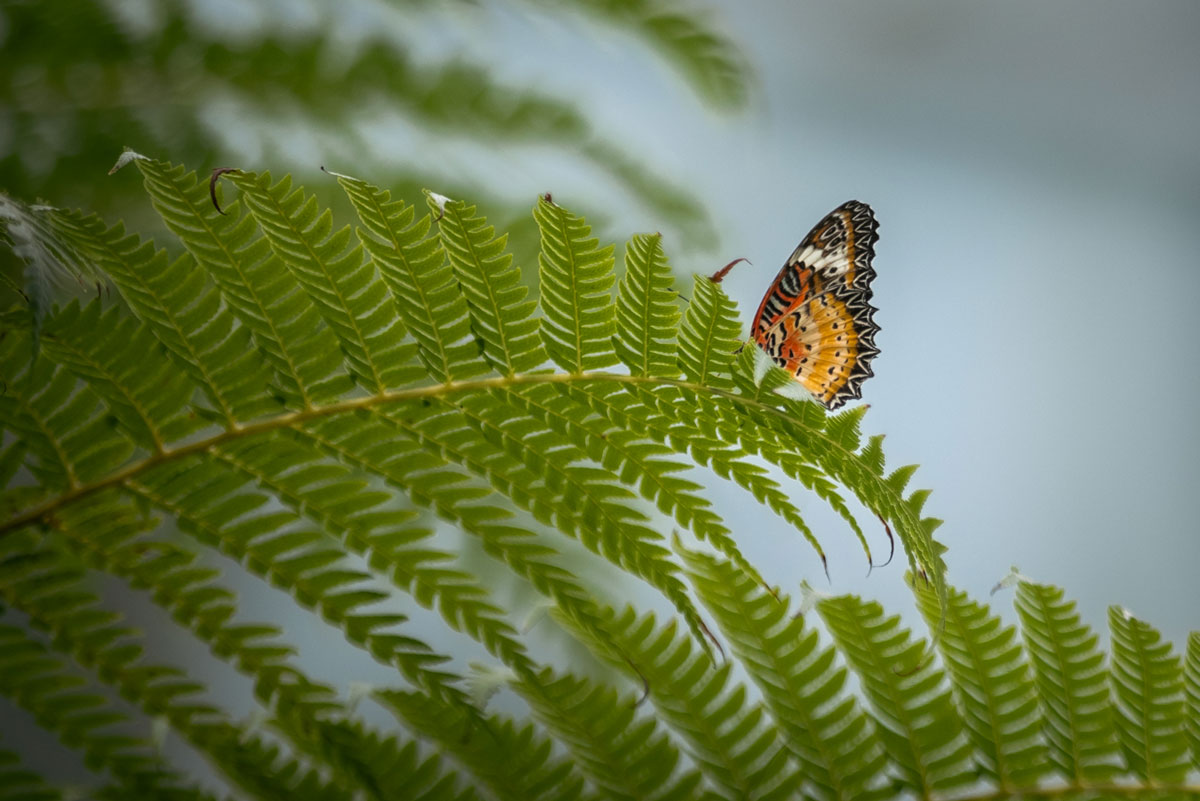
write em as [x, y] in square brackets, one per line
[816, 320]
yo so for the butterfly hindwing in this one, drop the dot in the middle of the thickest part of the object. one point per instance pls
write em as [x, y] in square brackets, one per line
[815, 320]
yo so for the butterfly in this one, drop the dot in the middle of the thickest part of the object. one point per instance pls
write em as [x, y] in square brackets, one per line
[816, 320]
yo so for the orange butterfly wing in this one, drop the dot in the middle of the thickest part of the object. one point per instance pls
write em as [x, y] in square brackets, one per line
[816, 320]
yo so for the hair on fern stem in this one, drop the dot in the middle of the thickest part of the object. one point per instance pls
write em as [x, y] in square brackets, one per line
[708, 633]
[891, 542]
[645, 681]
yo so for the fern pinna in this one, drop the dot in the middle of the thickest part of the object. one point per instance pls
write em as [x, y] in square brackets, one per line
[321, 404]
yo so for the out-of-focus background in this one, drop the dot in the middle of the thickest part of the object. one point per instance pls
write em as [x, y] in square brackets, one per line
[1034, 167]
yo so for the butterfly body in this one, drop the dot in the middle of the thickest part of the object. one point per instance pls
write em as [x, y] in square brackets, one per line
[816, 320]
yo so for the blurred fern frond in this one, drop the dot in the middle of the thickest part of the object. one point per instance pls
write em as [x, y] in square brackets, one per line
[80, 79]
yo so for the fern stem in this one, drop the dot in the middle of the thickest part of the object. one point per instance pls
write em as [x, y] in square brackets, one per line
[299, 418]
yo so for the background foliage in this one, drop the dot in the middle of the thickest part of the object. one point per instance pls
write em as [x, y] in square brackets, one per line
[236, 84]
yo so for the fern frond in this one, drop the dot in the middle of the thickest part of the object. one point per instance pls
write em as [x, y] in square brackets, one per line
[794, 463]
[725, 733]
[992, 684]
[719, 435]
[413, 265]
[348, 293]
[386, 768]
[580, 500]
[263, 770]
[500, 314]
[11, 459]
[511, 435]
[626, 758]
[106, 535]
[576, 276]
[795, 427]
[210, 502]
[822, 725]
[265, 298]
[1147, 681]
[17, 784]
[63, 426]
[122, 362]
[915, 715]
[63, 702]
[368, 526]
[647, 310]
[109, 534]
[708, 336]
[185, 313]
[1072, 684]
[429, 481]
[514, 764]
[635, 460]
[665, 415]
[44, 584]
